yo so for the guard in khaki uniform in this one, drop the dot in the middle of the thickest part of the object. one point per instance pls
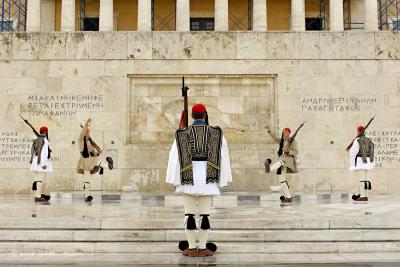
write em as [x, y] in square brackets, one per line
[40, 164]
[286, 162]
[362, 159]
[89, 161]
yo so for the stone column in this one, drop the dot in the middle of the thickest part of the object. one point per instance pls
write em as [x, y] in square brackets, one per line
[68, 16]
[221, 15]
[33, 16]
[144, 15]
[336, 15]
[371, 15]
[48, 16]
[106, 22]
[182, 15]
[260, 15]
[298, 16]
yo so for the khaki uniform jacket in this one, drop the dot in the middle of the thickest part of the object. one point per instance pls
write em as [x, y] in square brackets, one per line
[288, 159]
[89, 164]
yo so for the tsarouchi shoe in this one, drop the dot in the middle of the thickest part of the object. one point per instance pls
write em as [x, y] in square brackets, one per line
[89, 198]
[204, 253]
[40, 199]
[192, 252]
[47, 197]
[361, 199]
[286, 200]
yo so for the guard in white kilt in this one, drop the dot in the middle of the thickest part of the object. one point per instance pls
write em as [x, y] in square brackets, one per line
[198, 166]
[89, 160]
[362, 159]
[286, 162]
[40, 164]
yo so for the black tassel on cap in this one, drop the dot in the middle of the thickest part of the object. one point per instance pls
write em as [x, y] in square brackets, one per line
[191, 222]
[205, 222]
[206, 118]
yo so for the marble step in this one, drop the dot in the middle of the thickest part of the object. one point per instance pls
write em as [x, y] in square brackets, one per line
[225, 200]
[176, 259]
[223, 247]
[349, 235]
[234, 223]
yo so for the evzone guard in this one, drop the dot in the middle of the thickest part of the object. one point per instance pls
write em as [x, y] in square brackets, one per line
[40, 161]
[286, 162]
[361, 155]
[89, 161]
[198, 166]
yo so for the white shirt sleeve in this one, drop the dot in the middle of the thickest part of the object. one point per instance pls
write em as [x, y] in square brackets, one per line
[226, 172]
[173, 174]
[45, 154]
[353, 152]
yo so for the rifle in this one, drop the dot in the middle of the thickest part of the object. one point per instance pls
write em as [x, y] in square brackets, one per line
[30, 125]
[184, 122]
[295, 133]
[291, 140]
[351, 144]
[35, 131]
[99, 151]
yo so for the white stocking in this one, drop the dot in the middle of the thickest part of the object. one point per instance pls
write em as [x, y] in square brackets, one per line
[284, 184]
[190, 208]
[276, 166]
[204, 208]
[102, 164]
[363, 184]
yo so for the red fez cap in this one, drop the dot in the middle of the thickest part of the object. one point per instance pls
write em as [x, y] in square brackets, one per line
[43, 129]
[360, 128]
[287, 129]
[199, 108]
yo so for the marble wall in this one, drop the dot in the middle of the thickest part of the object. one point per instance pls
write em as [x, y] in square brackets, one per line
[129, 84]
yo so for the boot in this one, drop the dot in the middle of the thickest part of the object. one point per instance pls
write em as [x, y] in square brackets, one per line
[267, 164]
[110, 163]
[88, 198]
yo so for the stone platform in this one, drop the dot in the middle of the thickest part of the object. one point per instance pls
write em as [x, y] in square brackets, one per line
[250, 228]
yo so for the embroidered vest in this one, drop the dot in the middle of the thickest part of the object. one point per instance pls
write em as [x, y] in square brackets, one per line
[199, 143]
[37, 147]
[366, 149]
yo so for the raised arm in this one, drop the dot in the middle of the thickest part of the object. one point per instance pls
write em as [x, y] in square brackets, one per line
[85, 127]
[274, 137]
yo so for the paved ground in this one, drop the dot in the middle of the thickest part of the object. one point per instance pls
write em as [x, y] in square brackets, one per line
[229, 211]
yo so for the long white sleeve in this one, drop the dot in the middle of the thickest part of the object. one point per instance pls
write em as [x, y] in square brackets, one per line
[45, 154]
[173, 175]
[353, 153]
[226, 172]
